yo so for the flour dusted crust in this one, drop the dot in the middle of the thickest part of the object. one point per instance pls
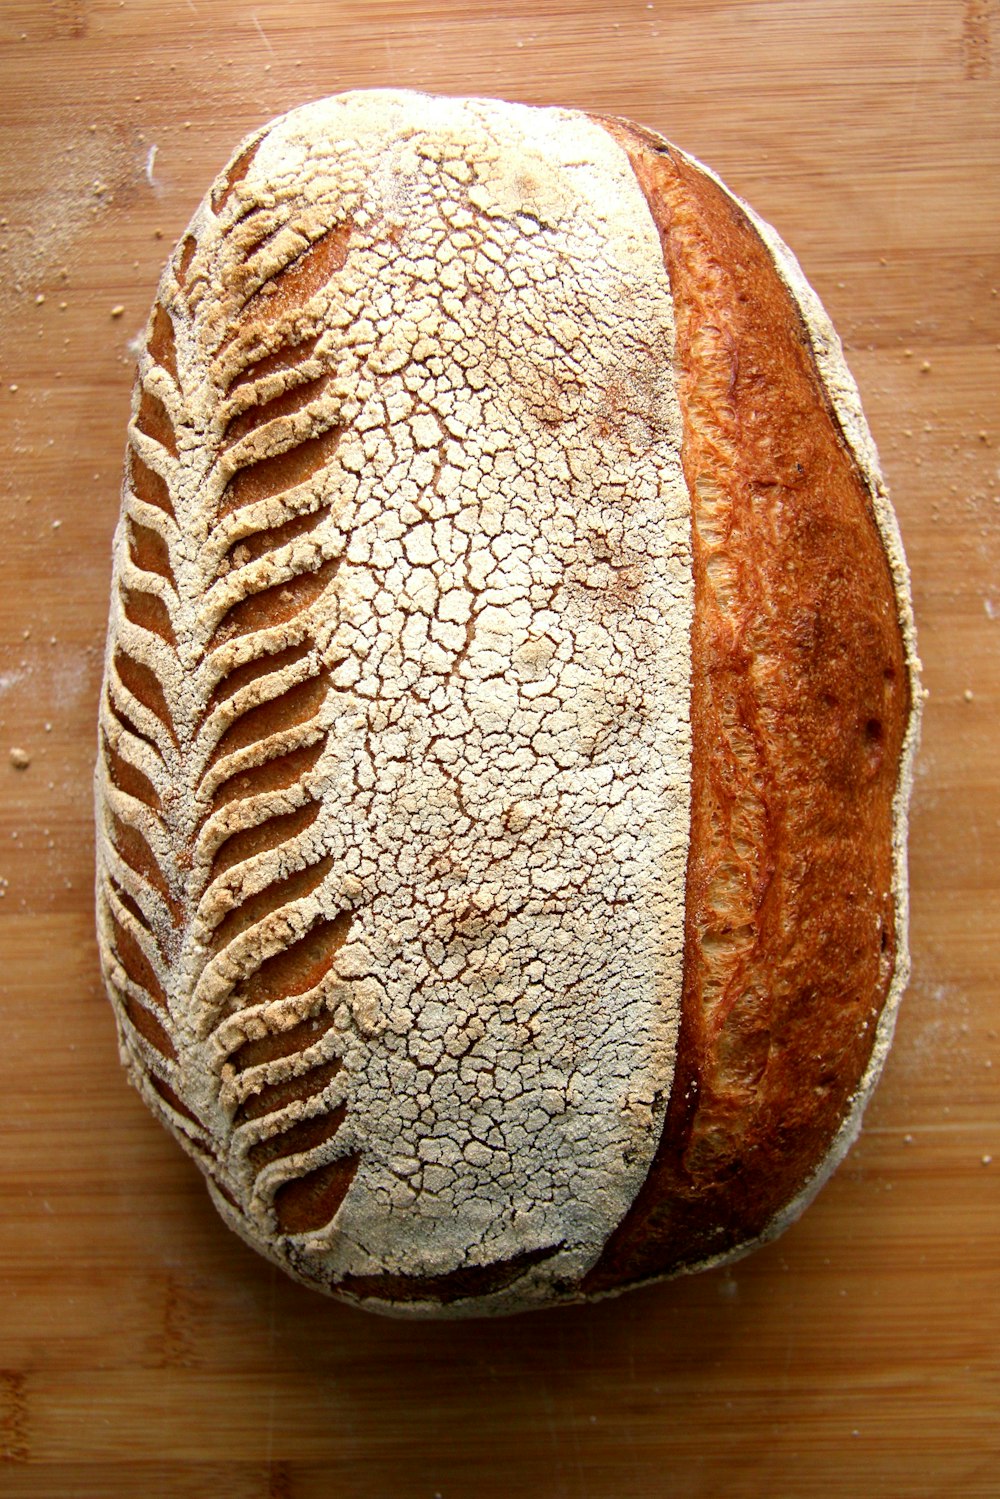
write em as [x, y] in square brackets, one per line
[402, 798]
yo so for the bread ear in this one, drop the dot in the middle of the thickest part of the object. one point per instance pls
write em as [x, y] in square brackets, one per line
[803, 696]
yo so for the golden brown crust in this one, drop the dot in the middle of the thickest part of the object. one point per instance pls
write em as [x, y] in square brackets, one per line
[800, 703]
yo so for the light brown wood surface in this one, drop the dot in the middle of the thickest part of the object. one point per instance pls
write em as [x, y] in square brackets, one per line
[143, 1349]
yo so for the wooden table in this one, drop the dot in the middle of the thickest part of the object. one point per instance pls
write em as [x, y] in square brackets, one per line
[143, 1349]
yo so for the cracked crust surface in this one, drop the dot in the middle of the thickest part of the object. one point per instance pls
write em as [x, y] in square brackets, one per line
[406, 855]
[406, 669]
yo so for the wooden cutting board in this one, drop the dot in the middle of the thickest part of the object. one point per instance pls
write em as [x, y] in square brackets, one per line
[143, 1349]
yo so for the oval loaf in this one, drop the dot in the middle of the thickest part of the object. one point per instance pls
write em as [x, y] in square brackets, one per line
[509, 707]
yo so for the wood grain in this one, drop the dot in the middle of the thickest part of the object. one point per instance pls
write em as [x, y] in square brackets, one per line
[143, 1349]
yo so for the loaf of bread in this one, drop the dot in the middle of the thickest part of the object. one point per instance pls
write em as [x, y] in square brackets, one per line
[508, 714]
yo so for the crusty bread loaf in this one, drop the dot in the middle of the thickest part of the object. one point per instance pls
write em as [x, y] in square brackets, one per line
[508, 715]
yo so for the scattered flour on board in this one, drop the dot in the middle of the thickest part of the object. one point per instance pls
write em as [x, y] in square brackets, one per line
[75, 179]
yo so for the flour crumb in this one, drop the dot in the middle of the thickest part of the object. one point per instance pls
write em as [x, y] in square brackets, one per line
[19, 758]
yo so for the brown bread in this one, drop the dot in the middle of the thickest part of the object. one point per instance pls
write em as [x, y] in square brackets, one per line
[509, 710]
